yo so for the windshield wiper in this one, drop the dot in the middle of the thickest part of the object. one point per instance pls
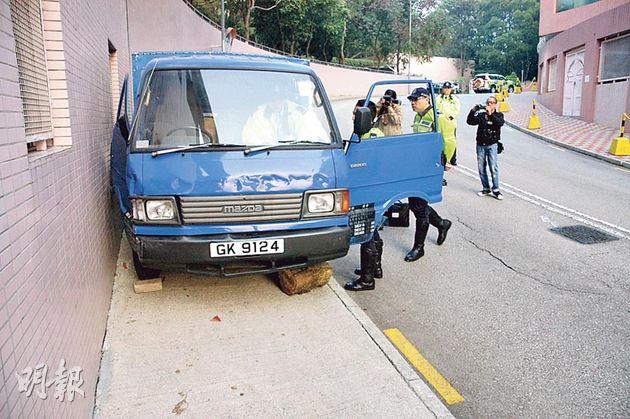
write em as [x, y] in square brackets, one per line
[250, 150]
[192, 147]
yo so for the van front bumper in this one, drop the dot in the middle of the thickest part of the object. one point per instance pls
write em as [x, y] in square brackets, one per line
[192, 253]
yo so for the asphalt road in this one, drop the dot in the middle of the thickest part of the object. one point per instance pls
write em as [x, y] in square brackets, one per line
[521, 321]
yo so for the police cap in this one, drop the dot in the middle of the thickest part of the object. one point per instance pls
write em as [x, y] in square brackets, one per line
[417, 92]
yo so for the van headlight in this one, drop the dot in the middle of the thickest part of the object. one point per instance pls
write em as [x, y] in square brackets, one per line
[326, 203]
[321, 202]
[161, 210]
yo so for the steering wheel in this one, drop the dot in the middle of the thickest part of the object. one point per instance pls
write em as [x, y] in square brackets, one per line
[190, 127]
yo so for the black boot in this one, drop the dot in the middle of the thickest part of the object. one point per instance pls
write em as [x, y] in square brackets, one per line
[443, 227]
[417, 251]
[368, 264]
[378, 271]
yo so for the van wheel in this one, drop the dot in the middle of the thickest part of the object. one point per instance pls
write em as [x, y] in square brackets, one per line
[511, 89]
[143, 272]
[493, 89]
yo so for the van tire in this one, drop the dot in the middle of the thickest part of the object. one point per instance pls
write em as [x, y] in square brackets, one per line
[493, 89]
[143, 272]
[511, 89]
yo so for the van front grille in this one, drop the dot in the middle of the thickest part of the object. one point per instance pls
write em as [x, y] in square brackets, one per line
[239, 208]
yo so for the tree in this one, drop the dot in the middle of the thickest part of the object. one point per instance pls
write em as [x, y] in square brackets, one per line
[303, 27]
[246, 7]
[429, 29]
[462, 18]
[238, 13]
[499, 36]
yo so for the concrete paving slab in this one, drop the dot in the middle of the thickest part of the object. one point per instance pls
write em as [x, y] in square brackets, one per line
[234, 347]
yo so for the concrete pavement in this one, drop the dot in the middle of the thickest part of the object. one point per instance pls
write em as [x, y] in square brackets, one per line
[265, 354]
[522, 321]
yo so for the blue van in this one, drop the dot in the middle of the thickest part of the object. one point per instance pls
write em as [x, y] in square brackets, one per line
[233, 164]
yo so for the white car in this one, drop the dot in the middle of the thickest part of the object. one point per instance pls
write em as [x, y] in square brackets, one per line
[490, 82]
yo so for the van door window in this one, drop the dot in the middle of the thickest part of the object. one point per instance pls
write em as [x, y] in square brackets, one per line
[396, 114]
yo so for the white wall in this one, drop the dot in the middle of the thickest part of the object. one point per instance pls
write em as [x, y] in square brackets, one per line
[440, 69]
[610, 103]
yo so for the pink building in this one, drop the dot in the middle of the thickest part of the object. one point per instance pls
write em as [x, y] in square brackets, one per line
[584, 58]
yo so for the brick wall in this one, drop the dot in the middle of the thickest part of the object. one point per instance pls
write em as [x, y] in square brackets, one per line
[57, 244]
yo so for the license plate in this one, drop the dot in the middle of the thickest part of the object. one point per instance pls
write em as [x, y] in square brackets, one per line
[246, 248]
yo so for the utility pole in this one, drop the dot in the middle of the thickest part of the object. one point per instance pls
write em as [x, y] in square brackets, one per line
[222, 25]
[409, 47]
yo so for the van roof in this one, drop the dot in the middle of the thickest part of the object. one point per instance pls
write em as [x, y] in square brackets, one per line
[205, 59]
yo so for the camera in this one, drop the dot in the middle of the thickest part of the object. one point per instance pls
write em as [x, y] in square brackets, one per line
[388, 100]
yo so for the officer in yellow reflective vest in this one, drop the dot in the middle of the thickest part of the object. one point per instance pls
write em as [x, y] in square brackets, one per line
[448, 107]
[424, 121]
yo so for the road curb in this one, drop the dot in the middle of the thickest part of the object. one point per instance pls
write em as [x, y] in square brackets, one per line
[411, 377]
[612, 160]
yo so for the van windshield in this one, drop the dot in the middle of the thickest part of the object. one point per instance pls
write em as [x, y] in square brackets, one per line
[229, 107]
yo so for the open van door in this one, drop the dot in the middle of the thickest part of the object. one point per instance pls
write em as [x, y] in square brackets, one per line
[118, 151]
[380, 171]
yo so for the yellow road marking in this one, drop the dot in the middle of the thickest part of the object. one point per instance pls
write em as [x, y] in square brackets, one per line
[439, 383]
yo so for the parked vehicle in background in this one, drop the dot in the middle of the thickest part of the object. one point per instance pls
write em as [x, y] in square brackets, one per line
[234, 165]
[490, 82]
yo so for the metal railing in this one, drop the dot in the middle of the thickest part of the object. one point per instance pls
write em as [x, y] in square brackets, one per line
[278, 52]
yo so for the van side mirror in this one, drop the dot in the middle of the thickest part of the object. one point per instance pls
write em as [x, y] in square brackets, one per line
[362, 121]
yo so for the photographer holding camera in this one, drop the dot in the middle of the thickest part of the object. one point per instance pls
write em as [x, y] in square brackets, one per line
[489, 122]
[389, 114]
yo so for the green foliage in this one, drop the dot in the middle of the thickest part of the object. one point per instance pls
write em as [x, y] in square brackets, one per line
[514, 78]
[303, 27]
[500, 36]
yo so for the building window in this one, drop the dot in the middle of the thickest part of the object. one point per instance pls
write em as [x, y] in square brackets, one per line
[562, 5]
[552, 74]
[42, 72]
[33, 74]
[615, 59]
